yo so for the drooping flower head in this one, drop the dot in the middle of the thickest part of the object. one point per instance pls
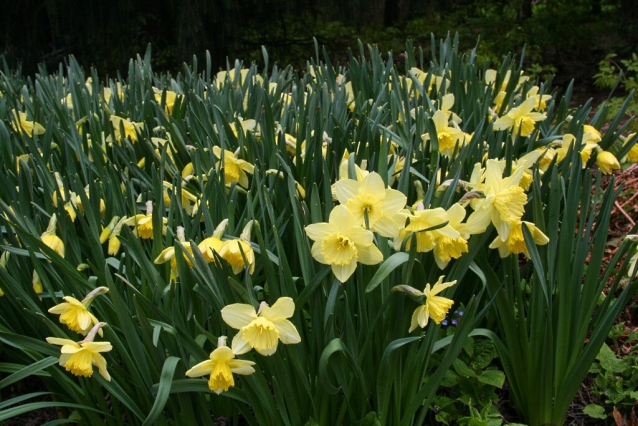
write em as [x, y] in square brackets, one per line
[434, 306]
[221, 366]
[80, 357]
[76, 315]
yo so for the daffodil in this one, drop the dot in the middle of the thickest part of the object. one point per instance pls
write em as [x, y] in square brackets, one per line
[213, 244]
[50, 239]
[130, 128]
[449, 137]
[569, 142]
[632, 155]
[434, 306]
[503, 202]
[521, 119]
[236, 79]
[21, 123]
[75, 314]
[371, 203]
[144, 223]
[264, 329]
[170, 99]
[231, 251]
[591, 134]
[515, 242]
[235, 169]
[80, 357]
[221, 366]
[342, 243]
[168, 254]
[540, 100]
[607, 162]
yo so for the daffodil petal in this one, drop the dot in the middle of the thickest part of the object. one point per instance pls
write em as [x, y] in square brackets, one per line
[238, 315]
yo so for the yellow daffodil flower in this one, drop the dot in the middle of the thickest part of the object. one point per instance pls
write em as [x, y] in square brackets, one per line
[446, 241]
[80, 357]
[540, 100]
[169, 253]
[591, 134]
[130, 128]
[435, 307]
[515, 243]
[449, 137]
[235, 169]
[49, 238]
[632, 155]
[75, 314]
[171, 97]
[503, 203]
[371, 203]
[569, 141]
[221, 366]
[607, 162]
[520, 119]
[144, 223]
[342, 242]
[231, 77]
[231, 251]
[264, 329]
[21, 123]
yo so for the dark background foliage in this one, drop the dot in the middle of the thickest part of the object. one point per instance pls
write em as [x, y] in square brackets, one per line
[571, 36]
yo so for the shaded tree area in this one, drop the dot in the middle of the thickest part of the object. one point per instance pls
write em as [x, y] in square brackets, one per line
[106, 34]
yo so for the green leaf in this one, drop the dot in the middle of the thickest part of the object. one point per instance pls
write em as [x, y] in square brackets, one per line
[388, 265]
[166, 380]
[370, 419]
[608, 360]
[494, 378]
[462, 369]
[595, 411]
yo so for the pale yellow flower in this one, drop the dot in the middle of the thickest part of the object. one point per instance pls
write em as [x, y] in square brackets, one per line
[131, 128]
[261, 330]
[342, 243]
[520, 119]
[450, 138]
[21, 123]
[371, 203]
[503, 202]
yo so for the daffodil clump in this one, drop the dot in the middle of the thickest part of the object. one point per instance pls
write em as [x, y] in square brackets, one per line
[329, 223]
